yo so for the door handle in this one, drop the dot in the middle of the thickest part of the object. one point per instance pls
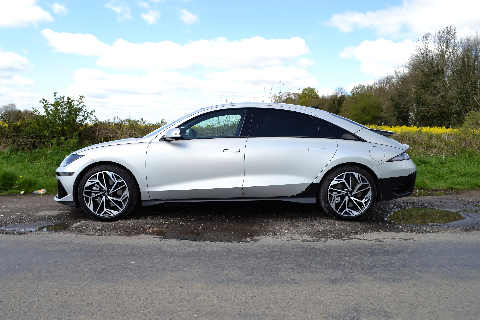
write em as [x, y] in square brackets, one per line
[231, 150]
[316, 149]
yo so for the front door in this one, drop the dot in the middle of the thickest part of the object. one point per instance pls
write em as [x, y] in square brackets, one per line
[206, 163]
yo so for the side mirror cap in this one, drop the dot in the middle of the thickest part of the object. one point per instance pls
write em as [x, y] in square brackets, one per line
[172, 134]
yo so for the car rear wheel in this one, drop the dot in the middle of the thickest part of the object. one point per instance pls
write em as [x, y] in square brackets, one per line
[347, 192]
[107, 193]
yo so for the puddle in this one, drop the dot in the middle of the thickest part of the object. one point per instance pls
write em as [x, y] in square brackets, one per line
[34, 227]
[471, 220]
[214, 232]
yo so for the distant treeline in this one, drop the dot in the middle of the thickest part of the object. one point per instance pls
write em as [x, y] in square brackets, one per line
[65, 122]
[437, 86]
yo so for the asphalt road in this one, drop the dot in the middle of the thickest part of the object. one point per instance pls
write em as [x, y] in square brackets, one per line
[372, 276]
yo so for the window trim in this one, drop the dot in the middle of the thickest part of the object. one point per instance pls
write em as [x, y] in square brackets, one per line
[243, 131]
[254, 123]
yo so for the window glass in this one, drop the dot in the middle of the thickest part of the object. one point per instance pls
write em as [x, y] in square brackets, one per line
[280, 123]
[329, 130]
[225, 123]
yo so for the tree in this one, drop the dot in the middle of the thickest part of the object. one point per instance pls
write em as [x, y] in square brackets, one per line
[64, 117]
[309, 97]
[286, 97]
[365, 108]
[336, 100]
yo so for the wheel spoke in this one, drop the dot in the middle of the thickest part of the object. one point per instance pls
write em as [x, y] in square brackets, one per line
[106, 194]
[350, 194]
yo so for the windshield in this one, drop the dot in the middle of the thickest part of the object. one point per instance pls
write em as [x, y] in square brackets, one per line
[151, 134]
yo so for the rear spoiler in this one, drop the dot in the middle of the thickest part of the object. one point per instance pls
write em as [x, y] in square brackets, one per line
[382, 132]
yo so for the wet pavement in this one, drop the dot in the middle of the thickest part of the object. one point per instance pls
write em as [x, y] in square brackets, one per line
[239, 222]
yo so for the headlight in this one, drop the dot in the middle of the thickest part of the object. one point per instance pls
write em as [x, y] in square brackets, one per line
[69, 159]
[400, 157]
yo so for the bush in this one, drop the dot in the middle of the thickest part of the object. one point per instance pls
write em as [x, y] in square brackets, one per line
[472, 121]
[65, 123]
[7, 180]
[27, 184]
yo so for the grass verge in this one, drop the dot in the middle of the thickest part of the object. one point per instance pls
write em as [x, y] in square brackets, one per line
[32, 170]
[424, 216]
[458, 172]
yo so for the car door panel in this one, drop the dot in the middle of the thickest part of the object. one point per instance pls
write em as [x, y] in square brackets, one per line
[284, 166]
[196, 168]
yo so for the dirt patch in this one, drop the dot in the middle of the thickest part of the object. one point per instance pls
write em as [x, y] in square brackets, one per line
[239, 222]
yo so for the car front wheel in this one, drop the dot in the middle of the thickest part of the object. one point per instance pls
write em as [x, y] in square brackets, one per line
[347, 192]
[107, 193]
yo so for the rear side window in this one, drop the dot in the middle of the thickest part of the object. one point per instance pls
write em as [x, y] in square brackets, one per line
[329, 130]
[280, 123]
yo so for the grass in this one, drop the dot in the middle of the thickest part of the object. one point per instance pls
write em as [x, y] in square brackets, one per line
[31, 170]
[424, 216]
[448, 172]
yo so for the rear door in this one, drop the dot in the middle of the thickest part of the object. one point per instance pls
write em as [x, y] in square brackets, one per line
[284, 153]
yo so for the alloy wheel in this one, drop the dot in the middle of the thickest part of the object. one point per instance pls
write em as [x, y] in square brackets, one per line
[350, 194]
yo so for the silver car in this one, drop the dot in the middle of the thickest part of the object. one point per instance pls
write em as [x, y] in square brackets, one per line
[241, 152]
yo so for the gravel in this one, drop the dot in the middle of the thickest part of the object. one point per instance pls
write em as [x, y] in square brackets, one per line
[241, 222]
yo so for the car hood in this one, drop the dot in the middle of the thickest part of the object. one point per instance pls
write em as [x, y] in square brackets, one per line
[106, 144]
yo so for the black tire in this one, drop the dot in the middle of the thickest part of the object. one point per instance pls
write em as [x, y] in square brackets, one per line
[347, 192]
[107, 193]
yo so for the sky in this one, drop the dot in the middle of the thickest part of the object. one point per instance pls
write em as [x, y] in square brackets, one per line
[162, 59]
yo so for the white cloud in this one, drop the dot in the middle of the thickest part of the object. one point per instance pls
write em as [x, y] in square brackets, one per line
[59, 8]
[99, 84]
[12, 63]
[24, 98]
[84, 44]
[120, 7]
[325, 91]
[187, 17]
[380, 57]
[217, 53]
[21, 13]
[305, 63]
[143, 4]
[288, 76]
[17, 81]
[156, 92]
[414, 17]
[151, 17]
[134, 96]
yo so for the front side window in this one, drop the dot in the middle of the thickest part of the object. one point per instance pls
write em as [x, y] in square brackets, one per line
[217, 124]
[280, 123]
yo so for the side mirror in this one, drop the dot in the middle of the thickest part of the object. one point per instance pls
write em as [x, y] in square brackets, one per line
[172, 134]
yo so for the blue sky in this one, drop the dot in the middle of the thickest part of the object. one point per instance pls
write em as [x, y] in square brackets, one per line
[161, 59]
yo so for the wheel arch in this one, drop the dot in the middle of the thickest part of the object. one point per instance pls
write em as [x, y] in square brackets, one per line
[355, 164]
[96, 164]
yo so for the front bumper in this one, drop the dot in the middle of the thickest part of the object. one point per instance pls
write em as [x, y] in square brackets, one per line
[63, 196]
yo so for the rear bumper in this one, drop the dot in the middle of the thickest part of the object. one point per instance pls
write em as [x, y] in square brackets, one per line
[396, 187]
